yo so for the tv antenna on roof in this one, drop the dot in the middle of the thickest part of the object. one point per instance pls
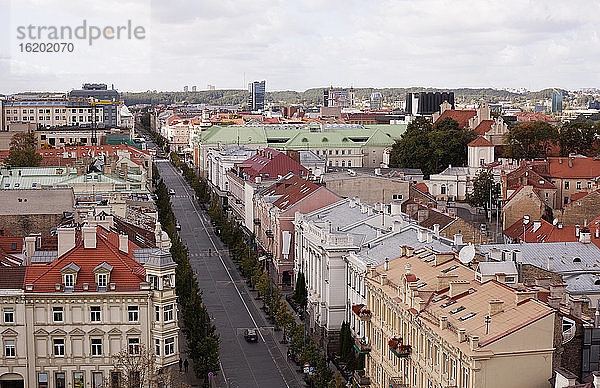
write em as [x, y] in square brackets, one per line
[466, 254]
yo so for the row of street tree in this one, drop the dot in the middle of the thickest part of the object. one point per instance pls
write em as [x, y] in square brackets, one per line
[302, 347]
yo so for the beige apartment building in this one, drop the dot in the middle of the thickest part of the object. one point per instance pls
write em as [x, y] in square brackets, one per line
[73, 308]
[432, 325]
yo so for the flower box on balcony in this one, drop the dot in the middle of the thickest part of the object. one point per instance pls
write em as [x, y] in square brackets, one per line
[399, 349]
[362, 312]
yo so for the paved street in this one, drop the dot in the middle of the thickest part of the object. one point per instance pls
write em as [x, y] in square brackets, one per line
[227, 298]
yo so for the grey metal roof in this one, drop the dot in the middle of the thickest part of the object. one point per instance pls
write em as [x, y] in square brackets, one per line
[563, 255]
[71, 266]
[103, 265]
[159, 259]
[584, 283]
[44, 256]
[487, 268]
[389, 246]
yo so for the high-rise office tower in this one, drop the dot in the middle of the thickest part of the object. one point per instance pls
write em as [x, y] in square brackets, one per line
[376, 101]
[557, 100]
[256, 101]
[339, 97]
[427, 103]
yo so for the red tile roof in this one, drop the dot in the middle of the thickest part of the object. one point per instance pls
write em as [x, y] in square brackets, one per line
[525, 176]
[480, 142]
[542, 231]
[422, 187]
[576, 167]
[269, 164]
[12, 278]
[127, 273]
[483, 127]
[291, 189]
[461, 116]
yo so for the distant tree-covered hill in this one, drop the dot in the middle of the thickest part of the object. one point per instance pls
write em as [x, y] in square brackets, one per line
[315, 96]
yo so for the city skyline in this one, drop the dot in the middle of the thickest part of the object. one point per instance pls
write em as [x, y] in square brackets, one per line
[298, 46]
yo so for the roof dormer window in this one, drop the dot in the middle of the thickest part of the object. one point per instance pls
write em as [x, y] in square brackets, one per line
[102, 272]
[69, 280]
[69, 275]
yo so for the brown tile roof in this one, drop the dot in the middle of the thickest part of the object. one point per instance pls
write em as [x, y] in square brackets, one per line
[525, 176]
[483, 127]
[12, 277]
[578, 167]
[480, 142]
[291, 189]
[461, 116]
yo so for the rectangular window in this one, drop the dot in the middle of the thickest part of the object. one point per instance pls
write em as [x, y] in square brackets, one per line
[9, 348]
[9, 315]
[397, 196]
[169, 346]
[78, 380]
[42, 380]
[115, 379]
[69, 280]
[95, 313]
[61, 381]
[134, 345]
[102, 279]
[578, 185]
[59, 347]
[96, 347]
[132, 313]
[97, 380]
[168, 313]
[157, 310]
[567, 185]
[157, 346]
[57, 314]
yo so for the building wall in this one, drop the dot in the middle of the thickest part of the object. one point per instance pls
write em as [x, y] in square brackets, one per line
[568, 187]
[23, 225]
[525, 202]
[576, 212]
[370, 190]
[470, 233]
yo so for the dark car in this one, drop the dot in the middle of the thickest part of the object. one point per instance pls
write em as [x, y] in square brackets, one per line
[250, 335]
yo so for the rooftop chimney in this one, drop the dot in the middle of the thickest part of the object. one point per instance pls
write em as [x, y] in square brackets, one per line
[29, 249]
[550, 264]
[436, 230]
[495, 306]
[570, 162]
[443, 281]
[395, 208]
[124, 243]
[396, 226]
[66, 240]
[576, 307]
[474, 342]
[386, 264]
[521, 296]
[407, 267]
[559, 291]
[458, 239]
[458, 287]
[89, 236]
[462, 335]
[585, 236]
[576, 230]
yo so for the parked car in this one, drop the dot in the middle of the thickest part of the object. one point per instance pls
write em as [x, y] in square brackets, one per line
[171, 192]
[178, 226]
[251, 335]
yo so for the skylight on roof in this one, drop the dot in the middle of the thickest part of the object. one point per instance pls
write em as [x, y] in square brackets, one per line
[430, 259]
[465, 317]
[419, 251]
[421, 285]
[450, 269]
[457, 310]
[448, 303]
[437, 299]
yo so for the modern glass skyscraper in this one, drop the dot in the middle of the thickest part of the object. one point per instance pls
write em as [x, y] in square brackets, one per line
[256, 101]
[557, 100]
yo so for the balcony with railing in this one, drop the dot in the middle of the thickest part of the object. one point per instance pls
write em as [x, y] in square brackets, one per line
[398, 348]
[397, 382]
[361, 345]
[361, 380]
[362, 312]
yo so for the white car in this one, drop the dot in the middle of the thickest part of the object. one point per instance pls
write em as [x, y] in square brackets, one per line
[171, 192]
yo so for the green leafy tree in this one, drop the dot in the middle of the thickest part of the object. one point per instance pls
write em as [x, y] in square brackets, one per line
[530, 140]
[300, 292]
[449, 144]
[413, 149]
[431, 148]
[577, 138]
[22, 151]
[484, 186]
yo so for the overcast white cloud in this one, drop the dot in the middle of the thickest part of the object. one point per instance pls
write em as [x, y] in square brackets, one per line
[303, 44]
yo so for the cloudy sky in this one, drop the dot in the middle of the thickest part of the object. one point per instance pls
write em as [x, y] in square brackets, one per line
[311, 43]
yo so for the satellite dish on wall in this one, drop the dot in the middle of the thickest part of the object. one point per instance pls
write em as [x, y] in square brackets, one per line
[466, 254]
